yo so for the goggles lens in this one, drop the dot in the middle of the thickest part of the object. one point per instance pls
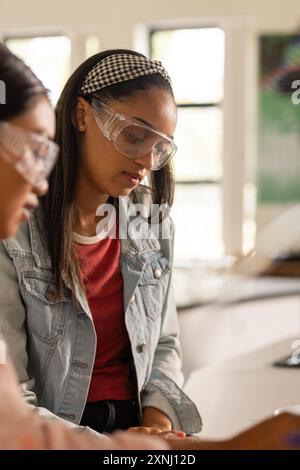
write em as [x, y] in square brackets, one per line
[135, 141]
[32, 155]
[132, 139]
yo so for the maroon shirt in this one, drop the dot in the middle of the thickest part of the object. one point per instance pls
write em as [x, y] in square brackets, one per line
[103, 281]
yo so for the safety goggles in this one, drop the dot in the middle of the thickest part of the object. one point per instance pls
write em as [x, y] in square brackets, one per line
[132, 138]
[32, 155]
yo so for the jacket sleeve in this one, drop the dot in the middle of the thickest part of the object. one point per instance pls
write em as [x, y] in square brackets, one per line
[163, 389]
[13, 330]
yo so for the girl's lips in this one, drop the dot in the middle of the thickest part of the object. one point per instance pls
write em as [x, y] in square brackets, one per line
[31, 202]
[29, 207]
[132, 178]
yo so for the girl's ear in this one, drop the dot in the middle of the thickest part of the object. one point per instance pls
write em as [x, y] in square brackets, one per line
[79, 117]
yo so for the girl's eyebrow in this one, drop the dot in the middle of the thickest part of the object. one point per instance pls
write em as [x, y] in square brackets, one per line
[150, 125]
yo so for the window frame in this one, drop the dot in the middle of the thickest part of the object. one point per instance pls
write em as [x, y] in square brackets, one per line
[239, 120]
[216, 104]
[77, 37]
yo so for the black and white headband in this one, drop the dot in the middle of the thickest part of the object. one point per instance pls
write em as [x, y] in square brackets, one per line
[120, 68]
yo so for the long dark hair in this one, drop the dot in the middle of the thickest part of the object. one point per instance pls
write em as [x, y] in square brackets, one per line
[58, 206]
[22, 87]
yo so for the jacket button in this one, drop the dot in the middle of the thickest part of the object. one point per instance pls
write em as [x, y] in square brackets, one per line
[51, 294]
[132, 300]
[157, 273]
[141, 348]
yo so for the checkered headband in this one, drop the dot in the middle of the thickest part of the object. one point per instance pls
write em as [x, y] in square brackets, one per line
[120, 68]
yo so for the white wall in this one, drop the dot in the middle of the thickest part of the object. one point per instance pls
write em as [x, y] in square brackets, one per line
[114, 21]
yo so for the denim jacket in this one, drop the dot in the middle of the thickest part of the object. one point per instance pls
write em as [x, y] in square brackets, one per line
[53, 342]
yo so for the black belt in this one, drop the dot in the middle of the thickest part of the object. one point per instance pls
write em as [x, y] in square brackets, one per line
[110, 415]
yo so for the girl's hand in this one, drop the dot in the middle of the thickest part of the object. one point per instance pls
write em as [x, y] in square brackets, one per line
[158, 432]
[155, 422]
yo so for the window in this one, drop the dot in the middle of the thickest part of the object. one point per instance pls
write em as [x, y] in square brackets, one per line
[194, 58]
[49, 58]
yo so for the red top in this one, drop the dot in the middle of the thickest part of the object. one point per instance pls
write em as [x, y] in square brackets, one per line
[102, 277]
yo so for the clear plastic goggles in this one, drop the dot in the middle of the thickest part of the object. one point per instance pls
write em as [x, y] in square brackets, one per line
[132, 138]
[32, 155]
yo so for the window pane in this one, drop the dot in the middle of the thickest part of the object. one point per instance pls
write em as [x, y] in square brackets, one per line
[195, 60]
[199, 137]
[197, 214]
[49, 58]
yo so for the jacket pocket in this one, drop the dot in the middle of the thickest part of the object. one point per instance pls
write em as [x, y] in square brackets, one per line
[153, 285]
[45, 312]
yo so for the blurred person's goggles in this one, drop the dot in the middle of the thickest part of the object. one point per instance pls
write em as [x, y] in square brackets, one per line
[32, 155]
[132, 138]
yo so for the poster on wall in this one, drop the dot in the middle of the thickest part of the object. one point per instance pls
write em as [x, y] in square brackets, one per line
[279, 119]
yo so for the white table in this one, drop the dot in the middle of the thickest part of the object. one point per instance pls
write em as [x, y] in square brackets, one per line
[234, 395]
